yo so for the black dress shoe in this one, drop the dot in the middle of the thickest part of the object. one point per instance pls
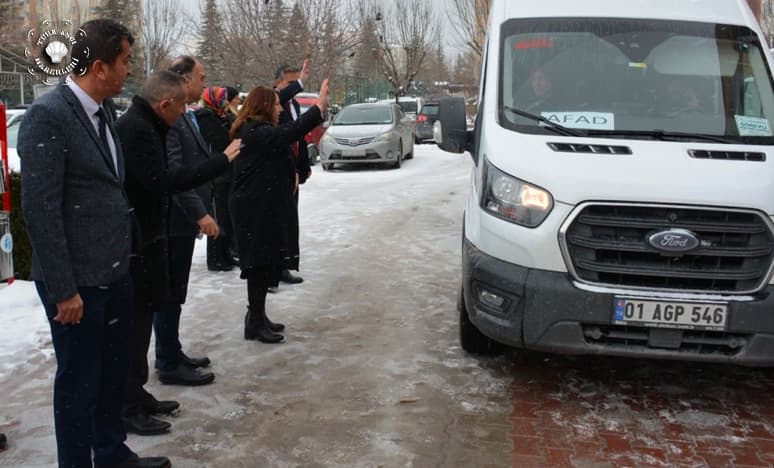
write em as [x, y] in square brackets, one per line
[185, 375]
[195, 362]
[3, 441]
[287, 277]
[141, 423]
[154, 406]
[145, 462]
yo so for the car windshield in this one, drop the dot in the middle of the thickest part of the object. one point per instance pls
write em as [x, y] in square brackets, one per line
[431, 110]
[364, 116]
[610, 76]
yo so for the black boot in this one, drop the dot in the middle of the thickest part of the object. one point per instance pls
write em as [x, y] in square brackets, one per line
[256, 327]
[274, 326]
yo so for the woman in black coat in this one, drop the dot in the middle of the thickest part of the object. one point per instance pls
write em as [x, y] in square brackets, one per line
[215, 121]
[262, 203]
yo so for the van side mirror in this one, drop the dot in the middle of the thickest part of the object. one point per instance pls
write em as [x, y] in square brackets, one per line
[450, 131]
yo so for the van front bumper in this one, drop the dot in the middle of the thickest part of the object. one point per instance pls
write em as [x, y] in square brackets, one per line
[545, 311]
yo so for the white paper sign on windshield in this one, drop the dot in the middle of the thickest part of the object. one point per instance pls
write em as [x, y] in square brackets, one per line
[582, 120]
[752, 126]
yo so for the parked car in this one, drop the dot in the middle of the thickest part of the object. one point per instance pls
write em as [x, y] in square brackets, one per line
[620, 201]
[13, 157]
[425, 121]
[305, 101]
[14, 115]
[368, 133]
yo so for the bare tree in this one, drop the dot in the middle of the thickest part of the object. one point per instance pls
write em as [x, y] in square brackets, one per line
[468, 19]
[165, 25]
[767, 21]
[405, 35]
[259, 36]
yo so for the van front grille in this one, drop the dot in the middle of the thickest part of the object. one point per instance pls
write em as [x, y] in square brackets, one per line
[608, 245]
[691, 341]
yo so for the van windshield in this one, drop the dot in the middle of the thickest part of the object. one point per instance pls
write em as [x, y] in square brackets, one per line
[609, 76]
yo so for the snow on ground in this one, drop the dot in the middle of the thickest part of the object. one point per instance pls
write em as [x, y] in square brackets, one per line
[371, 372]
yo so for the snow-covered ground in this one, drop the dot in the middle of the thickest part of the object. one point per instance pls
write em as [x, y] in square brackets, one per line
[371, 372]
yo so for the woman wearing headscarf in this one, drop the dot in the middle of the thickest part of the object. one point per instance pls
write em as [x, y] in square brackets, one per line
[262, 203]
[214, 121]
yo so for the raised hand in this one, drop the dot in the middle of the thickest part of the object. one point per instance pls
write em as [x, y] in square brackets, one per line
[322, 101]
[304, 75]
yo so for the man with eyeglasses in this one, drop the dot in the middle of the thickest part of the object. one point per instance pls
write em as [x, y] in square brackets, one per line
[150, 184]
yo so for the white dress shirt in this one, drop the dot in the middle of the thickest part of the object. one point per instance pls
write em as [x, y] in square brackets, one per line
[91, 107]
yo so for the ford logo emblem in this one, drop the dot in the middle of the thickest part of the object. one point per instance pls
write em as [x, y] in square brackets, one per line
[674, 241]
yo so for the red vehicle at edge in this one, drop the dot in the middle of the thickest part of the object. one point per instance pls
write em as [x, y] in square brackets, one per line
[307, 100]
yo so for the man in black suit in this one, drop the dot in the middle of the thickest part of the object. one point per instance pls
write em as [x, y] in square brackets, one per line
[190, 215]
[289, 81]
[150, 183]
[78, 222]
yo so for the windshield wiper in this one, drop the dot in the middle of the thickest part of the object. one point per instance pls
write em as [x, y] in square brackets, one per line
[548, 124]
[663, 135]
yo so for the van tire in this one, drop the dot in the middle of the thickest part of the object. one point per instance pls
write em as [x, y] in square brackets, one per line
[471, 338]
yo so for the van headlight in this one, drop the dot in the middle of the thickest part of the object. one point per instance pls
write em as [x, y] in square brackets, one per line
[514, 200]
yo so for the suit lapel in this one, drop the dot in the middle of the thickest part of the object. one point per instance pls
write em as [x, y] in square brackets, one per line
[86, 122]
[197, 136]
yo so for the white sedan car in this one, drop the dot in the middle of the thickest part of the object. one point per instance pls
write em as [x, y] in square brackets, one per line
[368, 133]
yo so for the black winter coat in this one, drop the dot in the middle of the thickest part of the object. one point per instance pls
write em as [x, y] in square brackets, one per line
[262, 203]
[149, 185]
[287, 98]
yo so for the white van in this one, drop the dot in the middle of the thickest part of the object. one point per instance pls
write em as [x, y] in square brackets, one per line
[410, 105]
[623, 191]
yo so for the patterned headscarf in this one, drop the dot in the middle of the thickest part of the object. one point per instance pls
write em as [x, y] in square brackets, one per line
[216, 100]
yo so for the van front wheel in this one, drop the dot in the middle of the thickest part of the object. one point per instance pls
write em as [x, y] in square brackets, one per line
[471, 338]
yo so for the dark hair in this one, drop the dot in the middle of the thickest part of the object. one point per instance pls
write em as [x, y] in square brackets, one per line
[183, 65]
[99, 39]
[231, 93]
[285, 69]
[258, 105]
[160, 85]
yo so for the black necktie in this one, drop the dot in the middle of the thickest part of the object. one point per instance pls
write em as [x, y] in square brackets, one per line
[102, 124]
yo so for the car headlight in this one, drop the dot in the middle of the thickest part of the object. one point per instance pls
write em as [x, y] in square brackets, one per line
[326, 138]
[514, 200]
[383, 138]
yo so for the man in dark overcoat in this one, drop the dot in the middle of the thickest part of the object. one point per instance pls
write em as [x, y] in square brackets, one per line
[149, 185]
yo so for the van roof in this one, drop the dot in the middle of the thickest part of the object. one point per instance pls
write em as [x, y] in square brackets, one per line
[708, 11]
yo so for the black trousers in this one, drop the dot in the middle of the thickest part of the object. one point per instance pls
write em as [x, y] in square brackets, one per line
[218, 249]
[91, 360]
[166, 317]
[137, 377]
